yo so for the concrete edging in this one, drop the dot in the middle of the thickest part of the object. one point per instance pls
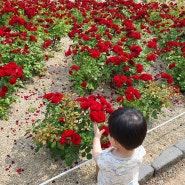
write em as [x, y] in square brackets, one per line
[167, 158]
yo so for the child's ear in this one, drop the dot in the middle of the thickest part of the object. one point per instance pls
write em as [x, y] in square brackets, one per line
[117, 143]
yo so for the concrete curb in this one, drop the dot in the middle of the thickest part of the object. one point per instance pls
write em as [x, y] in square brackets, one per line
[167, 158]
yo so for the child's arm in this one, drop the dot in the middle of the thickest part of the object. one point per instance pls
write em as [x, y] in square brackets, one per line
[96, 142]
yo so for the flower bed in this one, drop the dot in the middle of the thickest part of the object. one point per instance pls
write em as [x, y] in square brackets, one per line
[67, 129]
[115, 44]
[28, 29]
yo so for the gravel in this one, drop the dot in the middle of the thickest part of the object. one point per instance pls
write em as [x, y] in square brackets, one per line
[19, 164]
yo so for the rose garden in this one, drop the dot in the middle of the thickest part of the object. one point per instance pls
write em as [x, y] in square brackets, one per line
[133, 50]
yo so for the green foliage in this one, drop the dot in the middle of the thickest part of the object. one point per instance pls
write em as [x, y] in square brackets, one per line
[154, 96]
[27, 42]
[60, 117]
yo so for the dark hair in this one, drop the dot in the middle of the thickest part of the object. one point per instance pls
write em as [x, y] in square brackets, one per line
[127, 126]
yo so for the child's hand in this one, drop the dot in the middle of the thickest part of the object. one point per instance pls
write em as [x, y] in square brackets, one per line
[96, 142]
[98, 133]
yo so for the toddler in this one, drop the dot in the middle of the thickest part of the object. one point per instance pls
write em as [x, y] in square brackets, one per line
[119, 165]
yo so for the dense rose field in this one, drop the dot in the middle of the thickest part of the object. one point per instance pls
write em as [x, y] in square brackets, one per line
[115, 43]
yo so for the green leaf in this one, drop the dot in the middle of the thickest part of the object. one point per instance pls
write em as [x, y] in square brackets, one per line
[83, 154]
[37, 149]
[53, 144]
[89, 156]
[87, 150]
[60, 147]
[68, 161]
[53, 155]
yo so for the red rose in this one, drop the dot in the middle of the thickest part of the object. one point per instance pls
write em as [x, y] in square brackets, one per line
[84, 84]
[30, 12]
[139, 68]
[54, 97]
[69, 136]
[176, 88]
[135, 35]
[131, 92]
[135, 48]
[16, 20]
[48, 96]
[171, 44]
[172, 65]
[46, 57]
[98, 37]
[68, 53]
[108, 43]
[68, 133]
[105, 144]
[123, 58]
[109, 110]
[76, 139]
[129, 96]
[46, 44]
[2, 94]
[152, 44]
[182, 49]
[182, 22]
[120, 99]
[145, 77]
[57, 97]
[119, 80]
[70, 72]
[84, 37]
[114, 59]
[4, 89]
[123, 39]
[33, 38]
[126, 68]
[46, 31]
[97, 116]
[168, 77]
[94, 53]
[118, 49]
[135, 77]
[62, 141]
[106, 132]
[102, 47]
[128, 24]
[85, 105]
[62, 119]
[129, 82]
[13, 80]
[151, 56]
[75, 67]
[96, 106]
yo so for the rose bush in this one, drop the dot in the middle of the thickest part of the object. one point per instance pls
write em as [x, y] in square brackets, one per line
[10, 74]
[116, 43]
[167, 22]
[67, 129]
[28, 30]
[118, 49]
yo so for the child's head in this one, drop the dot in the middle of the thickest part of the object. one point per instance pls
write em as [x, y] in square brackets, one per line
[128, 127]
